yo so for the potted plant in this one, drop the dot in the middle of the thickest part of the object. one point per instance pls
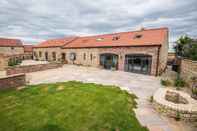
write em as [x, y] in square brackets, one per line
[113, 67]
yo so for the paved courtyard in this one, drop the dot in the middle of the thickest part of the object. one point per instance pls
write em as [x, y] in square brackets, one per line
[32, 62]
[141, 85]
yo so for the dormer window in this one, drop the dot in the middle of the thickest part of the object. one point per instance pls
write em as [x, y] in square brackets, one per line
[116, 38]
[137, 36]
[99, 39]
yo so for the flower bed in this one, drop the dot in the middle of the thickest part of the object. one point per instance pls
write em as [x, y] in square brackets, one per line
[186, 111]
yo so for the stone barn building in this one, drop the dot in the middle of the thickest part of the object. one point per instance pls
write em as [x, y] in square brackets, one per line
[12, 50]
[144, 51]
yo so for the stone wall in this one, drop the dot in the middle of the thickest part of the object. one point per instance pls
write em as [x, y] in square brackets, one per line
[163, 55]
[12, 50]
[186, 112]
[184, 115]
[188, 69]
[120, 51]
[171, 57]
[3, 62]
[39, 53]
[31, 68]
[12, 81]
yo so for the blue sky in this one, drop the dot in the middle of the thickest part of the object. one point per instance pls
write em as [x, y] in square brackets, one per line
[36, 20]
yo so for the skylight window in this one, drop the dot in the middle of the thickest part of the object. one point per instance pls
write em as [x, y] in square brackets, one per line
[116, 38]
[137, 36]
[99, 39]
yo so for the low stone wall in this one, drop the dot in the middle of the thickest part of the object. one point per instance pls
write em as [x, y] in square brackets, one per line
[188, 69]
[12, 81]
[186, 112]
[3, 62]
[32, 68]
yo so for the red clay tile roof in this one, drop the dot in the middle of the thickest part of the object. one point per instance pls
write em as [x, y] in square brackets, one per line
[144, 37]
[5, 42]
[28, 48]
[55, 42]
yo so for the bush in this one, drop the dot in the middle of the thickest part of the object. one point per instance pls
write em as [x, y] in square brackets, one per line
[178, 116]
[165, 82]
[151, 99]
[179, 82]
[13, 62]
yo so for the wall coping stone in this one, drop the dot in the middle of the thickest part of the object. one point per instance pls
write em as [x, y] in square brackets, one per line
[185, 59]
[159, 97]
[14, 75]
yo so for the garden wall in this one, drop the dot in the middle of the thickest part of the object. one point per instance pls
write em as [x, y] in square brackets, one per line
[32, 68]
[188, 69]
[3, 62]
[187, 111]
[12, 81]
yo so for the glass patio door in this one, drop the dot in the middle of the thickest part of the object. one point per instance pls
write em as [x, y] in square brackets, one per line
[109, 61]
[138, 64]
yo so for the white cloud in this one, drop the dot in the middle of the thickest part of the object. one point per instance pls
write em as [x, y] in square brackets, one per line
[34, 21]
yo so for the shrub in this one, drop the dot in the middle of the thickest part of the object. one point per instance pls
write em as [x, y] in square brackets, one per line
[13, 62]
[151, 99]
[179, 82]
[165, 82]
[178, 116]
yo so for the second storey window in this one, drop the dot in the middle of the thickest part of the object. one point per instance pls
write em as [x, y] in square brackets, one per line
[35, 55]
[46, 56]
[91, 56]
[54, 56]
[84, 56]
[40, 54]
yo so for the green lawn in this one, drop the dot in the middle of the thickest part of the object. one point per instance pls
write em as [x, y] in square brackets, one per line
[69, 106]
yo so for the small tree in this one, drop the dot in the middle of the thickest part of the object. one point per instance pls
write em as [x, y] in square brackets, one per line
[181, 43]
[186, 47]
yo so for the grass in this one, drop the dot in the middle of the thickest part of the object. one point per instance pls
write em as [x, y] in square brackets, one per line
[69, 106]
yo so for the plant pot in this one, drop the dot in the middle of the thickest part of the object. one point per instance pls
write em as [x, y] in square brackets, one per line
[113, 68]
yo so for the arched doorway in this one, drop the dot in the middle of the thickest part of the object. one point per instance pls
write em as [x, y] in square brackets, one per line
[109, 61]
[46, 56]
[138, 63]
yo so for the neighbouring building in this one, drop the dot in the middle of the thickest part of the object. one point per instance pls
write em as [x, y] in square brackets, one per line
[11, 46]
[28, 51]
[51, 50]
[144, 51]
[171, 57]
[12, 51]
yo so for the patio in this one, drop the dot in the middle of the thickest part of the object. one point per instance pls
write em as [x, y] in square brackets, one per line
[142, 85]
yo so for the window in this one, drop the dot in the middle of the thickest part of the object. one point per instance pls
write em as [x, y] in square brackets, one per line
[137, 36]
[46, 56]
[99, 39]
[40, 54]
[91, 56]
[116, 38]
[84, 56]
[72, 56]
[54, 56]
[63, 56]
[35, 54]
